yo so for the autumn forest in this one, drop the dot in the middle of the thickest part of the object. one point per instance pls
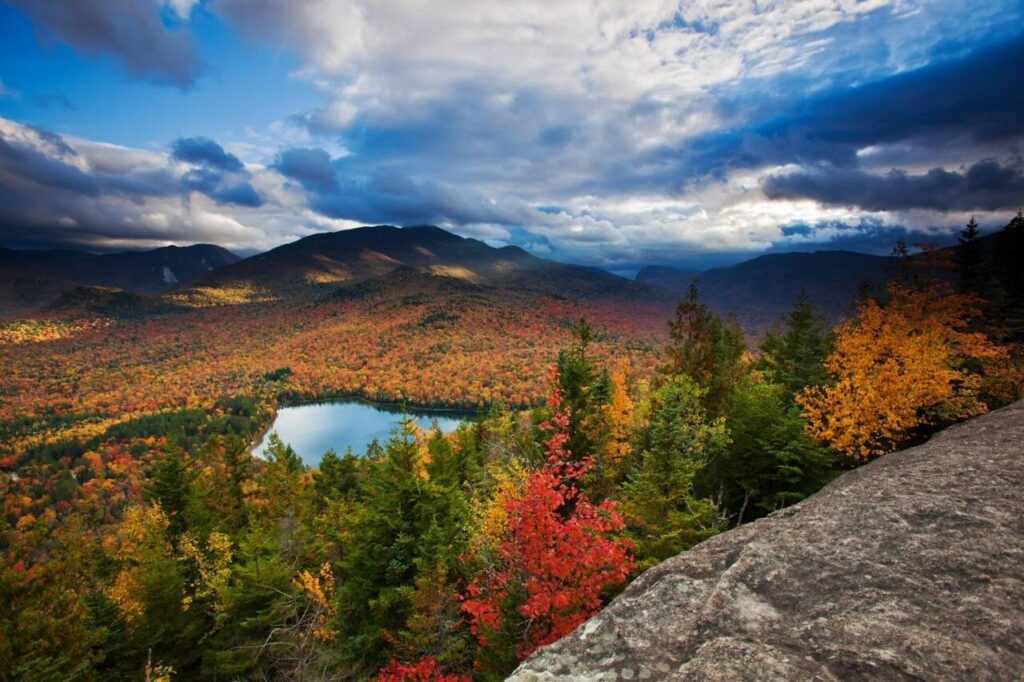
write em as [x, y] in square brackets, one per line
[616, 426]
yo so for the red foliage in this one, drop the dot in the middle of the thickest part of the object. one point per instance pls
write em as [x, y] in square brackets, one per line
[557, 548]
[423, 670]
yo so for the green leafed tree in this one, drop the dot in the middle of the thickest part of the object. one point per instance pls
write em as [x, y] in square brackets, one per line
[770, 461]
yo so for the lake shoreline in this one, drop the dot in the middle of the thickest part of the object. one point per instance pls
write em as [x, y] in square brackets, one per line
[346, 422]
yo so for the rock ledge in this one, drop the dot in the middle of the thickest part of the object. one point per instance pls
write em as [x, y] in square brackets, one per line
[908, 568]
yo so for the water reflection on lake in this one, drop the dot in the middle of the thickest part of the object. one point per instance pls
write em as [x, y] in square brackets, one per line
[314, 428]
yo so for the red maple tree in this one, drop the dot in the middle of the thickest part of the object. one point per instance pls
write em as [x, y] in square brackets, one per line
[557, 553]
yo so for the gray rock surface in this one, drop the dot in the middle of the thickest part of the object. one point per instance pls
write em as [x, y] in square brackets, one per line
[908, 568]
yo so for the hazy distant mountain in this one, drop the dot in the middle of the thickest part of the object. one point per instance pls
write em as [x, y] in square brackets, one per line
[675, 280]
[29, 279]
[759, 291]
[321, 263]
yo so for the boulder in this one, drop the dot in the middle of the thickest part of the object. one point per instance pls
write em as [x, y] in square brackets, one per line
[908, 568]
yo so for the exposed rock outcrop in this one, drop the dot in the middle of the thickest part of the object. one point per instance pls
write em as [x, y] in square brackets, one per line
[908, 568]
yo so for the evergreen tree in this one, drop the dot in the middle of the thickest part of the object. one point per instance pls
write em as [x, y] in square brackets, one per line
[1008, 299]
[795, 356]
[969, 260]
[770, 461]
[706, 349]
[168, 486]
[661, 512]
[337, 478]
[585, 390]
[400, 519]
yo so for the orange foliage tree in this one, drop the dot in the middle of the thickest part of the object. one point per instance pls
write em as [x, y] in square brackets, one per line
[909, 363]
[556, 554]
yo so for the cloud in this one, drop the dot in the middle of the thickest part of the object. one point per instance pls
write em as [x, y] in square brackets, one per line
[311, 167]
[388, 197]
[986, 185]
[204, 151]
[63, 190]
[130, 31]
[215, 172]
[220, 188]
[589, 130]
[242, 194]
[917, 108]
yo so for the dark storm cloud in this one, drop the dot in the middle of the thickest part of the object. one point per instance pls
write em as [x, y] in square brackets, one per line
[975, 99]
[20, 162]
[310, 167]
[240, 194]
[986, 186]
[216, 172]
[131, 31]
[218, 187]
[52, 193]
[206, 152]
[865, 236]
[346, 188]
[387, 197]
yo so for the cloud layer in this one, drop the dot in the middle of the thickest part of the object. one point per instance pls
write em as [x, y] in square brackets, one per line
[603, 132]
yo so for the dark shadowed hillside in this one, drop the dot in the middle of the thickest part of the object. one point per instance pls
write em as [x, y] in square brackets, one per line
[30, 279]
[759, 291]
[675, 280]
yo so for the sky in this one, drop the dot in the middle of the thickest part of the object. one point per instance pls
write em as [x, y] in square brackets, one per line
[609, 133]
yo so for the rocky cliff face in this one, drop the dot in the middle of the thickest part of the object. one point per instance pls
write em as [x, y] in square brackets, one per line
[909, 568]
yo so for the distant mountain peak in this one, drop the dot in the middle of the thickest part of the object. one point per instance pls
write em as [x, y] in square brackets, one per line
[311, 266]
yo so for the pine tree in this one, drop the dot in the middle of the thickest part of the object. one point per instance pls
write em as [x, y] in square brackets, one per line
[585, 390]
[770, 461]
[168, 486]
[400, 523]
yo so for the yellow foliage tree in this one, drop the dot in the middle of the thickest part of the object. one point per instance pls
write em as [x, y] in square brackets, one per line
[620, 416]
[898, 366]
[141, 549]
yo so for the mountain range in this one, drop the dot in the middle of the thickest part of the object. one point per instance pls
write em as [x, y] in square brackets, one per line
[757, 292]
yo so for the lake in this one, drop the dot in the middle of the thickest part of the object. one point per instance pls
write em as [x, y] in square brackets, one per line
[313, 428]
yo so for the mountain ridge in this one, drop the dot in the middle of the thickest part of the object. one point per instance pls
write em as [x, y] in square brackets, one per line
[317, 263]
[761, 290]
[757, 292]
